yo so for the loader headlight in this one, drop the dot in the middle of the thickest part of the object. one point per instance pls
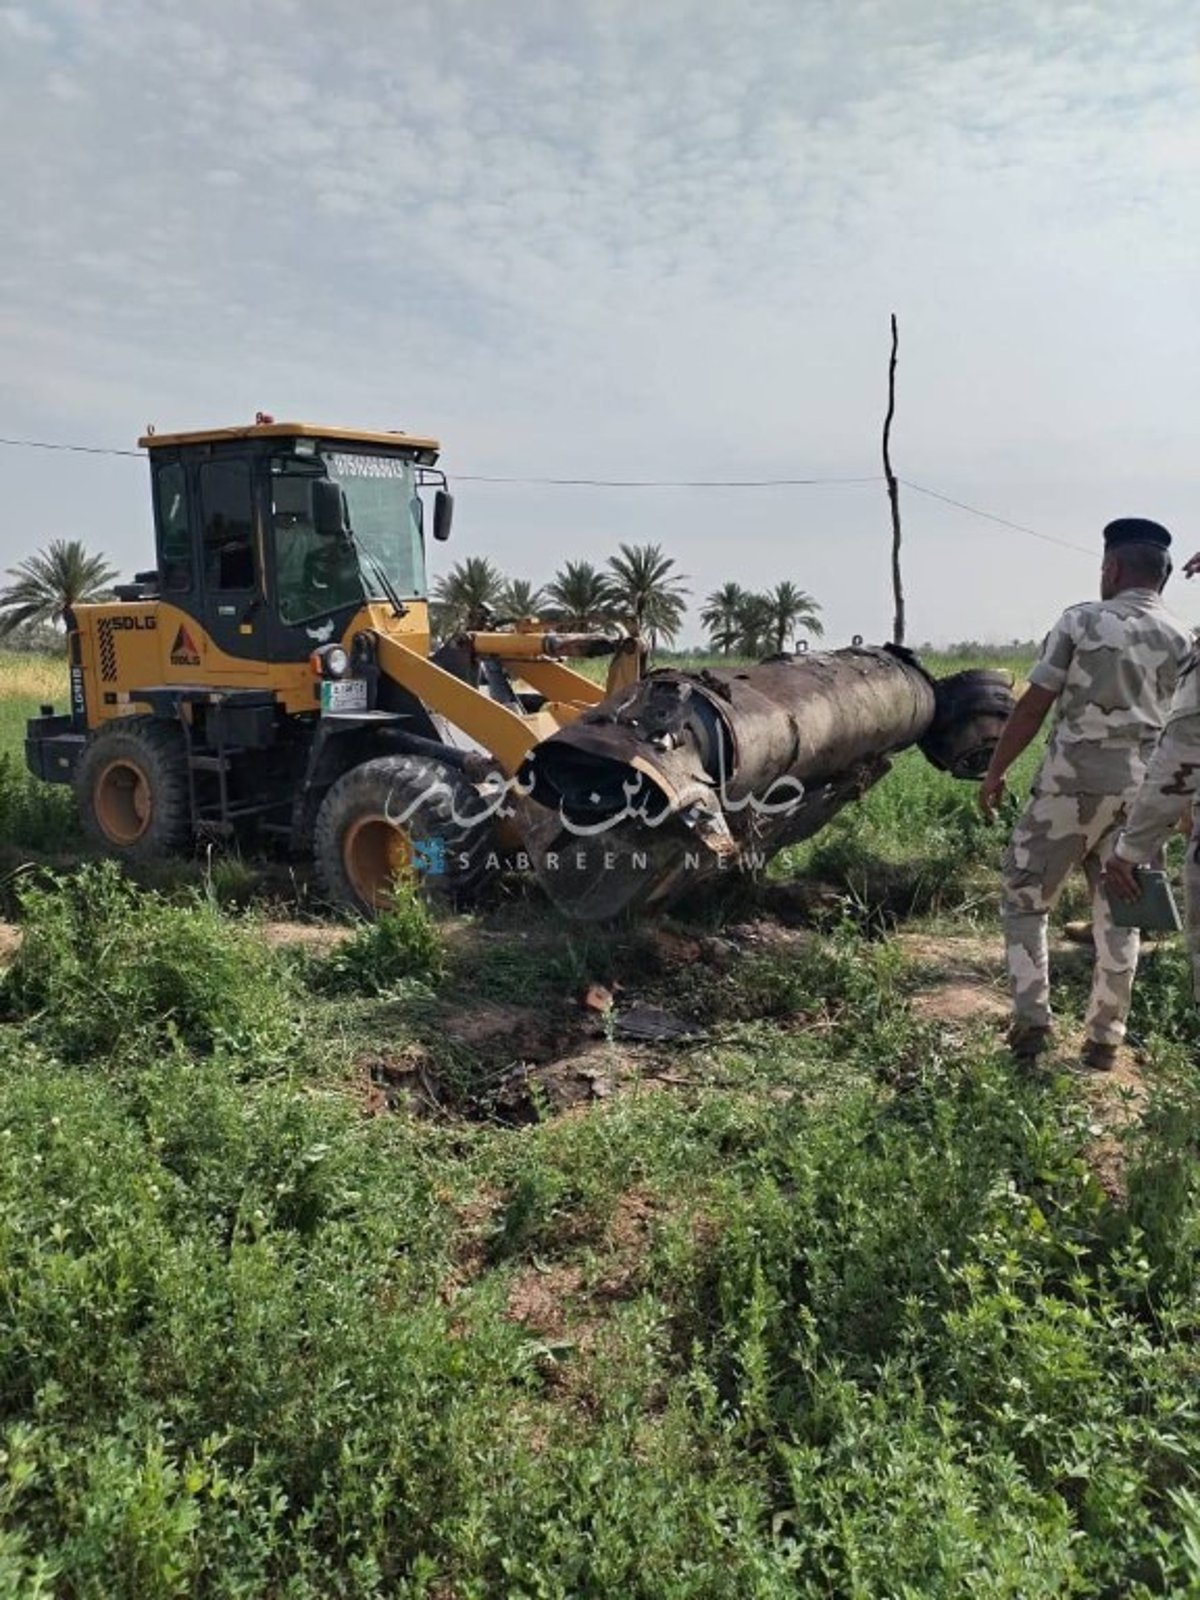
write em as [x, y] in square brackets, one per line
[330, 661]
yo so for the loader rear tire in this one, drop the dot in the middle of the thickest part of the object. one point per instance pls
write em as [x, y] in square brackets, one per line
[131, 788]
[396, 819]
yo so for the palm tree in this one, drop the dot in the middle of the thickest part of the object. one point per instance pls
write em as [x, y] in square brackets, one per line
[464, 596]
[521, 599]
[721, 616]
[792, 608]
[579, 594]
[755, 624]
[645, 594]
[47, 585]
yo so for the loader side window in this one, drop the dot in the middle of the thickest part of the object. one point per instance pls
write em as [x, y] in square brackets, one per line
[174, 529]
[228, 509]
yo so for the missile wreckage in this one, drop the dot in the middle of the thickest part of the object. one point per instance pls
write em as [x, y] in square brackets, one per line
[682, 775]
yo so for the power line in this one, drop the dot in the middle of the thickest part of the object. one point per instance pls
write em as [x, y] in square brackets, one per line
[77, 449]
[642, 483]
[558, 483]
[663, 483]
[989, 516]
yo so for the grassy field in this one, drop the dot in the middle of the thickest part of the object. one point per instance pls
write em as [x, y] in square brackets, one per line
[27, 682]
[373, 1263]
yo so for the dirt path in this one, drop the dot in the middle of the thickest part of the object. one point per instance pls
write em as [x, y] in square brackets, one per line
[316, 936]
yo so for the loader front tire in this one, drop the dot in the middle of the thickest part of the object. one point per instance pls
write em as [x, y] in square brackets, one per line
[131, 788]
[399, 819]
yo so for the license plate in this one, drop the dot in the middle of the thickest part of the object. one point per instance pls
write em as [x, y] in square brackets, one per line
[345, 694]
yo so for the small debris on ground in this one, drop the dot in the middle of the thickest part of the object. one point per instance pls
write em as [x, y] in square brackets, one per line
[598, 997]
[654, 1025]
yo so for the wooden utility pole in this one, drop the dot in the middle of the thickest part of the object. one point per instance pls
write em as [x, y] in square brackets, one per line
[893, 489]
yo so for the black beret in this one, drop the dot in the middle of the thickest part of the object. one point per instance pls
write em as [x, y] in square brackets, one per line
[1135, 530]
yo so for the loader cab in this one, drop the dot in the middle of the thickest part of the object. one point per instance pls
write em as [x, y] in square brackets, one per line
[271, 538]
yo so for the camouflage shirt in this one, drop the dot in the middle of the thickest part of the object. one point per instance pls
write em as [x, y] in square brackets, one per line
[1114, 665]
[1172, 779]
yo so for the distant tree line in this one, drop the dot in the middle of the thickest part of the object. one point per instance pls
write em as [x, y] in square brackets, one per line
[638, 588]
[971, 649]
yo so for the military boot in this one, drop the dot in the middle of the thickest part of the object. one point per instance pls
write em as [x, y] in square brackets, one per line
[1097, 1057]
[1028, 1041]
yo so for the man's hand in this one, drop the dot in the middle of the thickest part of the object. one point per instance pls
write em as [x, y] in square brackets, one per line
[1017, 734]
[991, 793]
[1192, 567]
[1121, 877]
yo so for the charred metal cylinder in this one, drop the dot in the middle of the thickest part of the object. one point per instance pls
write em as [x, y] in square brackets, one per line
[685, 773]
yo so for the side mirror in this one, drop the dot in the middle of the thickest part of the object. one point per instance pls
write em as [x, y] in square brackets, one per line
[329, 508]
[443, 514]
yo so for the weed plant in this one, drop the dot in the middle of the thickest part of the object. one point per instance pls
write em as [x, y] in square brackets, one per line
[105, 969]
[35, 815]
[402, 944]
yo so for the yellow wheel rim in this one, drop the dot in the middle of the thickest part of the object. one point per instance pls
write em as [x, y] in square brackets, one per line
[376, 854]
[122, 801]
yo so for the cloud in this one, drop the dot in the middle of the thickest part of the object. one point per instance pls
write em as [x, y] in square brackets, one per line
[23, 25]
[620, 239]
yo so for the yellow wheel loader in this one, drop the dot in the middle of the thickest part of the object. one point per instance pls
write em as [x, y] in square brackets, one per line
[275, 671]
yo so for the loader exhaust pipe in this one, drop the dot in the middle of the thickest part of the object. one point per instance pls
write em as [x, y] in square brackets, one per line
[688, 773]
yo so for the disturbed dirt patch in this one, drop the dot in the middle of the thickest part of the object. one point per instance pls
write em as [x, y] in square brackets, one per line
[1117, 1099]
[319, 937]
[960, 1000]
[627, 1241]
[398, 1080]
[10, 942]
[954, 954]
[507, 1032]
[595, 1072]
[800, 901]
[477, 1220]
[959, 977]
[569, 1299]
[540, 1296]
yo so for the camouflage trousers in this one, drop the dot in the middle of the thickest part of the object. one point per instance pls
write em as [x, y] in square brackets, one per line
[1055, 834]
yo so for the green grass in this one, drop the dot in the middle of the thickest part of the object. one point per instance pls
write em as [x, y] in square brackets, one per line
[830, 1302]
[855, 1341]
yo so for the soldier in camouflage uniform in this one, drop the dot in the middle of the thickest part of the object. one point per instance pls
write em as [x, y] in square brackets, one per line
[1110, 667]
[1168, 795]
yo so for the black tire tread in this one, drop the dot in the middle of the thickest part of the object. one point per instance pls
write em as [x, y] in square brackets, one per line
[403, 777]
[158, 747]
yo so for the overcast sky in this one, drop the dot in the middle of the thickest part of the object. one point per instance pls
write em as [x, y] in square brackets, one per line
[627, 238]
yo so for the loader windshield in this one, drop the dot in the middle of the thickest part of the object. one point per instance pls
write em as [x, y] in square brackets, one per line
[317, 574]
